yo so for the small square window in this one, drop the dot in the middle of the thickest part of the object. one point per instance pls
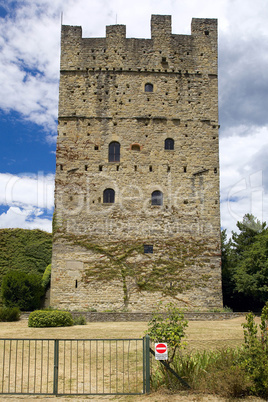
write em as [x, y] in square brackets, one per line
[96, 147]
[148, 249]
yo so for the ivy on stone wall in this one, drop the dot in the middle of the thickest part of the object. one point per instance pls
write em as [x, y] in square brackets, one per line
[170, 270]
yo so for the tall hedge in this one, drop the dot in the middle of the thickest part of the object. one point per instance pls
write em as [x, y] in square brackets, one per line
[24, 250]
[22, 290]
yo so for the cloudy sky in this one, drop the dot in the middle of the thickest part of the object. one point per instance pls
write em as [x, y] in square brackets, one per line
[29, 76]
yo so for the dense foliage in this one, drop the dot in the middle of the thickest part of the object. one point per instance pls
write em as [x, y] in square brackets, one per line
[80, 320]
[245, 265]
[168, 325]
[50, 318]
[24, 250]
[229, 372]
[46, 277]
[9, 314]
[22, 290]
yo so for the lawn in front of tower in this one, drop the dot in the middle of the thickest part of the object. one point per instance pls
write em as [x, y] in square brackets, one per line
[200, 334]
[197, 331]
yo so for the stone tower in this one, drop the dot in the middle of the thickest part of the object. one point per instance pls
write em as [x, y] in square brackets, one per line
[137, 214]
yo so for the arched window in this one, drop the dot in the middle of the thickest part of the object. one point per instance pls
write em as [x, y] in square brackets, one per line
[157, 198]
[135, 147]
[169, 143]
[108, 196]
[149, 87]
[114, 152]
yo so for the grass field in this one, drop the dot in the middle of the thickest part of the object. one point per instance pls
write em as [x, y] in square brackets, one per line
[196, 331]
[200, 334]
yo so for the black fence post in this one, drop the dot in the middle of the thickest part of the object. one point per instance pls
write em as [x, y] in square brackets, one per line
[146, 364]
[56, 367]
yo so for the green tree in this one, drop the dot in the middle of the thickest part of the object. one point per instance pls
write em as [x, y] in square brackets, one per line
[168, 325]
[254, 359]
[22, 290]
[249, 228]
[244, 270]
[251, 271]
[46, 277]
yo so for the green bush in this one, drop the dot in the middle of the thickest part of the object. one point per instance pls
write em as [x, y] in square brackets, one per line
[9, 314]
[168, 325]
[228, 372]
[80, 320]
[53, 318]
[254, 359]
[46, 277]
[22, 290]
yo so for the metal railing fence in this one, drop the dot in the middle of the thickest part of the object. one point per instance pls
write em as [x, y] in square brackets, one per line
[74, 367]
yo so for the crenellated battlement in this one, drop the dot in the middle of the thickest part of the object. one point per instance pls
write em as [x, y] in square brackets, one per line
[163, 52]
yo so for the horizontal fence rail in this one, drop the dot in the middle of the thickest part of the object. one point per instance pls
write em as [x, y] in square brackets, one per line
[73, 367]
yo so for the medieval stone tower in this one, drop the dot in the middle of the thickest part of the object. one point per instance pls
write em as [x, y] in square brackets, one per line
[137, 216]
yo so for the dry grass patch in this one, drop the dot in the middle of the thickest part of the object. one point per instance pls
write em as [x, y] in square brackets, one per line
[197, 330]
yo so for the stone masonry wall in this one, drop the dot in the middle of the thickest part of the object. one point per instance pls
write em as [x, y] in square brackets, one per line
[99, 253]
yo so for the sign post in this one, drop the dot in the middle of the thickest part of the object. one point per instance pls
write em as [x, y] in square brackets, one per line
[161, 351]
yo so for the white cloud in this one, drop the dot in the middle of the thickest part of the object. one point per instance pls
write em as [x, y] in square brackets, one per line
[29, 72]
[243, 181]
[34, 191]
[30, 200]
[30, 49]
[25, 219]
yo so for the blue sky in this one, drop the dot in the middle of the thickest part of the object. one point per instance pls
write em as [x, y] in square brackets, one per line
[29, 77]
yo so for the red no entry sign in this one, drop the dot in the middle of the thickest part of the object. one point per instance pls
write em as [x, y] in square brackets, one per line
[161, 348]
